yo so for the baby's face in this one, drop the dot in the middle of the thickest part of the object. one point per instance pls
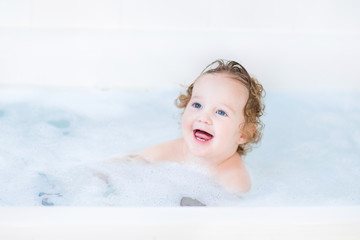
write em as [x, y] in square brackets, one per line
[212, 120]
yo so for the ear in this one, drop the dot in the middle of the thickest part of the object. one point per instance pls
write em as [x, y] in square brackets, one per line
[242, 139]
[246, 131]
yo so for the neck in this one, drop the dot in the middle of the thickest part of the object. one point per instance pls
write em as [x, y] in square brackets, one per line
[209, 163]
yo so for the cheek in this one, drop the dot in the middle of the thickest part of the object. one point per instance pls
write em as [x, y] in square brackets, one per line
[185, 120]
[230, 130]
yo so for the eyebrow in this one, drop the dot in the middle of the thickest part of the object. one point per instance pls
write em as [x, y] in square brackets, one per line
[228, 107]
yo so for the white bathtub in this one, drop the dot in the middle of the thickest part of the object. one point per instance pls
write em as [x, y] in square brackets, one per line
[180, 223]
[128, 59]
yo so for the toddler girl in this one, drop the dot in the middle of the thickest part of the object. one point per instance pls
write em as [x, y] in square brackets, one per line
[221, 119]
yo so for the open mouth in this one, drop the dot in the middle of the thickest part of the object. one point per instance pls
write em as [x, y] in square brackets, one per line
[202, 135]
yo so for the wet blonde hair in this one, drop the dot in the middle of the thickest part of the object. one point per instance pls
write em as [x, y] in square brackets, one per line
[254, 107]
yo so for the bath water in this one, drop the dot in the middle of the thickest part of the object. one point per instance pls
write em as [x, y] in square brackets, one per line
[54, 144]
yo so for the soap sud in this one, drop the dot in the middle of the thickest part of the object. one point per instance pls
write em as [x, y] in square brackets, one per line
[54, 142]
[130, 184]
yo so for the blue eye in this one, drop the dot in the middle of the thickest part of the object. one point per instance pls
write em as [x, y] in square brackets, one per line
[197, 105]
[221, 112]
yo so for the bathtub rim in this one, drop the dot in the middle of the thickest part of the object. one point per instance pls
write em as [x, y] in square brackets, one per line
[179, 223]
[135, 215]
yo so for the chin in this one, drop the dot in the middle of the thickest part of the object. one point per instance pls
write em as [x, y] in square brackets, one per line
[198, 151]
[198, 148]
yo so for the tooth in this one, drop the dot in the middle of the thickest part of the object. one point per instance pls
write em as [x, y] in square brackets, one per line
[203, 140]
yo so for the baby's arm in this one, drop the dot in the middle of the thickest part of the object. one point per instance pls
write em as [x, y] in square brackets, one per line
[151, 154]
[135, 157]
[167, 151]
[116, 160]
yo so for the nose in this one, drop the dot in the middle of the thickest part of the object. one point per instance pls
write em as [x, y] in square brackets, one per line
[205, 117]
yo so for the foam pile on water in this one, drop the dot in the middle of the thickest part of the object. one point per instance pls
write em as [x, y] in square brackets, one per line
[132, 184]
[54, 143]
[126, 184]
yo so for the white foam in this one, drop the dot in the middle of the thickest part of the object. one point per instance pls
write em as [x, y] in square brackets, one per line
[53, 141]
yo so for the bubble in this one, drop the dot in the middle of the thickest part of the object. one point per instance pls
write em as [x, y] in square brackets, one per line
[62, 123]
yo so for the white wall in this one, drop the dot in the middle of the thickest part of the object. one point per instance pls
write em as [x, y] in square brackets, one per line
[111, 43]
[333, 15]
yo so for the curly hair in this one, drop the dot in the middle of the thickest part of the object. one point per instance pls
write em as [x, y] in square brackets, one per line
[254, 107]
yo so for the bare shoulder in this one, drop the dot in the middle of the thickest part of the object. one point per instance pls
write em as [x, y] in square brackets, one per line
[234, 176]
[167, 151]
